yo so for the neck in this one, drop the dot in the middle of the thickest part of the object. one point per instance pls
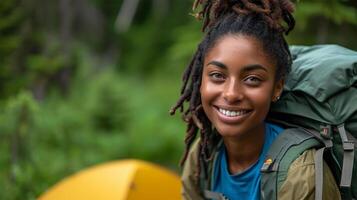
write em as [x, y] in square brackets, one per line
[244, 151]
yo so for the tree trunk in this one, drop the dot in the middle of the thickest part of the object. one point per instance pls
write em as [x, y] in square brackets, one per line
[126, 15]
[66, 16]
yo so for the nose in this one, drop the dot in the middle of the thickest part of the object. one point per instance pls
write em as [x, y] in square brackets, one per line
[232, 91]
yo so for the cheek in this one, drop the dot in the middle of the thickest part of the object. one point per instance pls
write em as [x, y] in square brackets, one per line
[261, 98]
[208, 95]
[208, 91]
[203, 89]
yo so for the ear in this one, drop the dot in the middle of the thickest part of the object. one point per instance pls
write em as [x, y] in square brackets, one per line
[278, 89]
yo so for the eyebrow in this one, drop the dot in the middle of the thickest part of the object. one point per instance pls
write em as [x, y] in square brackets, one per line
[246, 68]
[218, 64]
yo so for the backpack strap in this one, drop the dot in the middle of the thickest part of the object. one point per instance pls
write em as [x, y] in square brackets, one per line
[324, 136]
[348, 145]
[319, 175]
[288, 146]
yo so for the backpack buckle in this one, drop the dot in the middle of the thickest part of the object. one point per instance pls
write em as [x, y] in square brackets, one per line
[348, 145]
[325, 131]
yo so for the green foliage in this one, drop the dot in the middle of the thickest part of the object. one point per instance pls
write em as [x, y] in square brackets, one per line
[16, 133]
[11, 38]
[105, 117]
[330, 9]
[152, 35]
[11, 16]
[46, 65]
[180, 52]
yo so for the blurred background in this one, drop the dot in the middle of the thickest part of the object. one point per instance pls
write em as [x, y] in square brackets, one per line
[83, 82]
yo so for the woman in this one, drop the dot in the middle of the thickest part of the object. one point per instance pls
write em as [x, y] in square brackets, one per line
[237, 71]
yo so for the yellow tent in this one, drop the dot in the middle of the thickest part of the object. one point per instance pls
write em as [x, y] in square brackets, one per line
[119, 180]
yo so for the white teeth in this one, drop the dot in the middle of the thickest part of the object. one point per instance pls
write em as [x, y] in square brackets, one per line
[231, 113]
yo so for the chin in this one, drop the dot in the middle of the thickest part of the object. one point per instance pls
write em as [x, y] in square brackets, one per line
[229, 132]
[237, 130]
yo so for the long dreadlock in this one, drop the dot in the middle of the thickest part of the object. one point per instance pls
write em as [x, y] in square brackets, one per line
[265, 20]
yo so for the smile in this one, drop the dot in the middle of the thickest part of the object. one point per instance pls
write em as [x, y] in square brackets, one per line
[232, 113]
[232, 116]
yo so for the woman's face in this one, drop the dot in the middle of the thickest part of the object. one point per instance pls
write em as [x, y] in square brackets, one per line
[238, 85]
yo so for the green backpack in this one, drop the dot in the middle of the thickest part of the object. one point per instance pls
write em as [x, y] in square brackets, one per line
[319, 108]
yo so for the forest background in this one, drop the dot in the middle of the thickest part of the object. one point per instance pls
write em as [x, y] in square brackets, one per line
[84, 82]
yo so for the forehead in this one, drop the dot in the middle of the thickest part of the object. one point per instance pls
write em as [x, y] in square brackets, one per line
[237, 50]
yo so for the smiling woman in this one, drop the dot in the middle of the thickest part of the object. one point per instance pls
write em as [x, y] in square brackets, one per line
[238, 84]
[236, 73]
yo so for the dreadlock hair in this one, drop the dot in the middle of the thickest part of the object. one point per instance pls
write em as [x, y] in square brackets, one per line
[264, 20]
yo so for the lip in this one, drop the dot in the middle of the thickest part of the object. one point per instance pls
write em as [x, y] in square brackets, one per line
[231, 120]
[230, 107]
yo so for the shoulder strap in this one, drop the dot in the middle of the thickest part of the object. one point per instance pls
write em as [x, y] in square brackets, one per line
[289, 145]
[348, 144]
[319, 173]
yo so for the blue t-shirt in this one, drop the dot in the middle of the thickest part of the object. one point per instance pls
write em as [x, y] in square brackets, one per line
[244, 185]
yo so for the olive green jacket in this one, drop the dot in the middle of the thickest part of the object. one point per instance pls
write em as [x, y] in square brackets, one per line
[299, 184]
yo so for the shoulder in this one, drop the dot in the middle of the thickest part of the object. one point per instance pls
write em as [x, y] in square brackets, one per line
[190, 188]
[300, 180]
[275, 127]
[189, 168]
[272, 131]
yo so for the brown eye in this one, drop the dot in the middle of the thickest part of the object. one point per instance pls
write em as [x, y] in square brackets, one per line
[216, 76]
[252, 81]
